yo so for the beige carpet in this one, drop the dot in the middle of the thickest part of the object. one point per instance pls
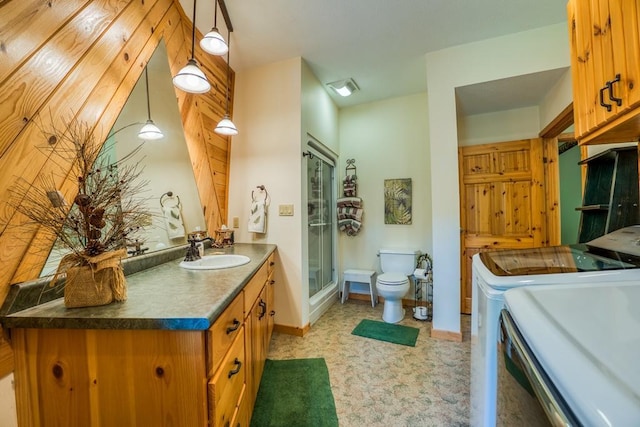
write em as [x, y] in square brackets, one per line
[375, 383]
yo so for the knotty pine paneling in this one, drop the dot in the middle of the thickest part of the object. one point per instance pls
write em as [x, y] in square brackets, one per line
[63, 60]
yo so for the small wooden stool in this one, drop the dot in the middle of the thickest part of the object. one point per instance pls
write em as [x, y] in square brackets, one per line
[360, 276]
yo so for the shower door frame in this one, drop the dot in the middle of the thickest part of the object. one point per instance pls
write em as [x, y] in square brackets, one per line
[329, 290]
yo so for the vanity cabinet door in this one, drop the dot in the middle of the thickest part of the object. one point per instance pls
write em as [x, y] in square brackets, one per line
[270, 289]
[105, 377]
[256, 342]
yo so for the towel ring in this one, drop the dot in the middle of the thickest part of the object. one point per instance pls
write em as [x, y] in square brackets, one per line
[169, 195]
[261, 188]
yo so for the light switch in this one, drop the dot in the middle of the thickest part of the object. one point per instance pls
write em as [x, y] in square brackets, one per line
[236, 222]
[285, 210]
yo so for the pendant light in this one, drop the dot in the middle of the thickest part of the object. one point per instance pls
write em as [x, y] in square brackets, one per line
[226, 126]
[149, 131]
[191, 79]
[213, 42]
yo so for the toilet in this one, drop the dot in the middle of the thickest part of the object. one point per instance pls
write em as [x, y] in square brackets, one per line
[393, 284]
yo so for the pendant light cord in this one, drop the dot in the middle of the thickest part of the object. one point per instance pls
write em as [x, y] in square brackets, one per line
[146, 79]
[215, 14]
[228, 68]
[193, 32]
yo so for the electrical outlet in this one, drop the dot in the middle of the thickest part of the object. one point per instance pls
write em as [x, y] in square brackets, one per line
[285, 210]
[236, 222]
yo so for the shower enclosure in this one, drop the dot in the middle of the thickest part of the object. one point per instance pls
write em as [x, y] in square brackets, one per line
[321, 202]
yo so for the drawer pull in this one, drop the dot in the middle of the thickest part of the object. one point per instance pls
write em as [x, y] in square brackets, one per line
[602, 103]
[618, 101]
[271, 264]
[271, 282]
[236, 325]
[235, 371]
[262, 305]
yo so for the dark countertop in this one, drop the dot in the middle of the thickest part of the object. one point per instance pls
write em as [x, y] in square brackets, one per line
[162, 297]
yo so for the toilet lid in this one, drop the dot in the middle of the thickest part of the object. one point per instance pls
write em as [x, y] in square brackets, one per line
[392, 279]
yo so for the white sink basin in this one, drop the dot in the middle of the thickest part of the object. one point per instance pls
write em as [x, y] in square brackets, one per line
[215, 262]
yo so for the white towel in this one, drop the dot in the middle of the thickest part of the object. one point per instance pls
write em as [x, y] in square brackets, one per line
[173, 221]
[258, 217]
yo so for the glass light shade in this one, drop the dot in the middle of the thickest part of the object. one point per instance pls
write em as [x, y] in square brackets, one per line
[191, 79]
[214, 43]
[150, 131]
[226, 127]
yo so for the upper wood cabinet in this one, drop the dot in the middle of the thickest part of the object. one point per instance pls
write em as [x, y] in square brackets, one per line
[605, 64]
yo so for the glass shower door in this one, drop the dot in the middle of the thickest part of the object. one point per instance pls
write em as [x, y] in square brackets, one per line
[320, 211]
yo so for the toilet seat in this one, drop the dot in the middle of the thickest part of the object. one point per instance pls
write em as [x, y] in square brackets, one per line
[392, 279]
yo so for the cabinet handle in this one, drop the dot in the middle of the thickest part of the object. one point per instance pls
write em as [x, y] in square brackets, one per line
[618, 101]
[235, 371]
[262, 305]
[271, 282]
[273, 313]
[271, 264]
[602, 103]
[236, 325]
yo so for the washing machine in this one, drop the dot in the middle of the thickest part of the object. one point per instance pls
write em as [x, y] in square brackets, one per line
[612, 258]
[569, 356]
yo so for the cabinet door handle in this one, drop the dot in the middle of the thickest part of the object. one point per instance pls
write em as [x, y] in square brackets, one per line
[602, 103]
[273, 313]
[236, 370]
[618, 101]
[236, 325]
[262, 305]
[271, 282]
[271, 264]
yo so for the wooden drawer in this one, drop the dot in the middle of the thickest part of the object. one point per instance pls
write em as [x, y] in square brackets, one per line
[254, 287]
[227, 386]
[221, 334]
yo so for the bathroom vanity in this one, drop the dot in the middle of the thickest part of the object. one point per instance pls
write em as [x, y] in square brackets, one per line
[187, 348]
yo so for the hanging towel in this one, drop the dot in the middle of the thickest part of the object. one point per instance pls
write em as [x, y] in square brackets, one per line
[350, 213]
[349, 186]
[173, 221]
[258, 217]
[344, 202]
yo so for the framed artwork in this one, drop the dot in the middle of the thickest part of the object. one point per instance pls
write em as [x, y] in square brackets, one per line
[397, 201]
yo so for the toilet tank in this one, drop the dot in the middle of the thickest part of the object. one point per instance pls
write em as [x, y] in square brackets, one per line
[398, 260]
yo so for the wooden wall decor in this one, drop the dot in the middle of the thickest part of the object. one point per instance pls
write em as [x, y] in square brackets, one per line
[81, 59]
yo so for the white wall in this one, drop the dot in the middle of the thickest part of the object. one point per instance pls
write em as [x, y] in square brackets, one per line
[275, 106]
[388, 139]
[503, 57]
[319, 113]
[266, 151]
[557, 99]
[498, 126]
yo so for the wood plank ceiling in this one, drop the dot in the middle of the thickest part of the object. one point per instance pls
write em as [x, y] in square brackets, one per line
[80, 60]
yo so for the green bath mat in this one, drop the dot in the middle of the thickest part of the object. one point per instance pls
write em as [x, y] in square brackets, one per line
[397, 334]
[295, 392]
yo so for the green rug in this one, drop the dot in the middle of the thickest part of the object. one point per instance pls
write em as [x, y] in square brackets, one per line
[295, 393]
[397, 334]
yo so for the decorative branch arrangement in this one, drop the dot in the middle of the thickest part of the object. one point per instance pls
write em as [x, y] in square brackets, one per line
[107, 208]
[106, 211]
